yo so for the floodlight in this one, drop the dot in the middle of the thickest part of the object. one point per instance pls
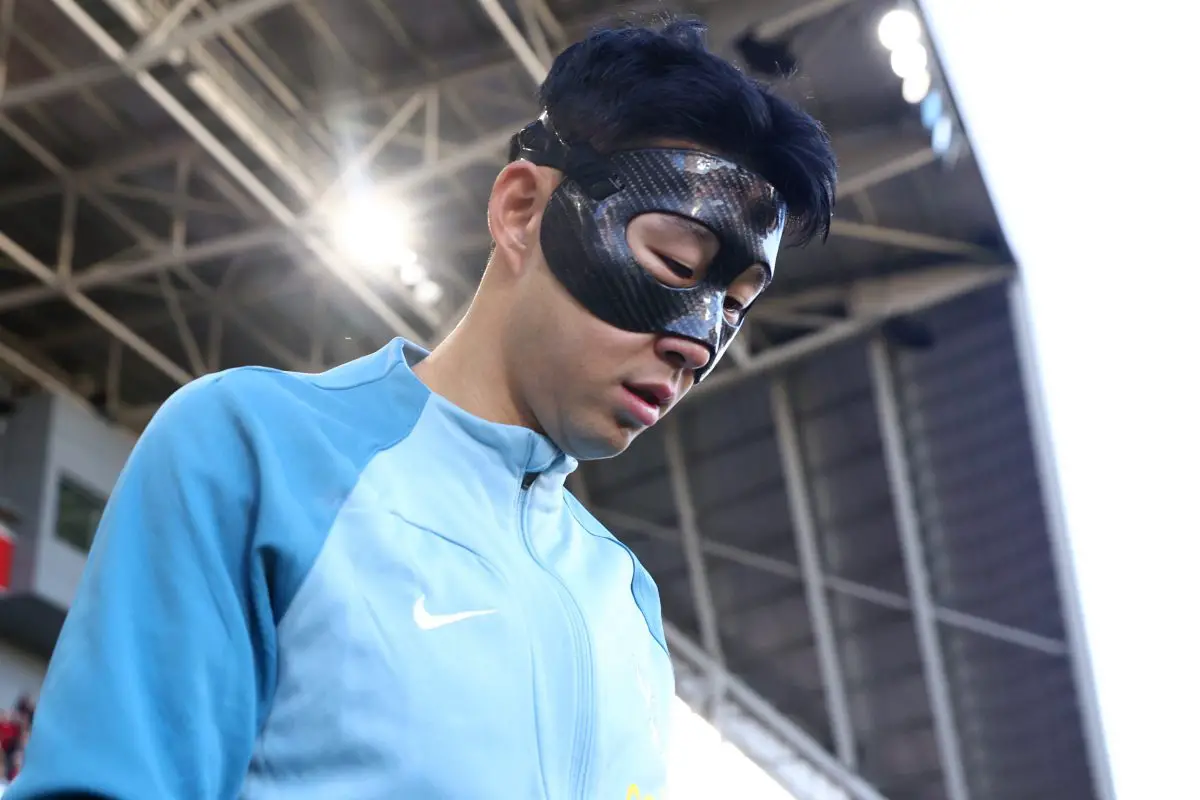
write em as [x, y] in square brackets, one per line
[899, 27]
[370, 232]
[916, 87]
[910, 59]
[427, 293]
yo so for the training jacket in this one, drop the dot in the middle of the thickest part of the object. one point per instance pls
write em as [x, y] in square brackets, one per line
[342, 586]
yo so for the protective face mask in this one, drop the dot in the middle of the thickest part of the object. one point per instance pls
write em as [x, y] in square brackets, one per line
[584, 232]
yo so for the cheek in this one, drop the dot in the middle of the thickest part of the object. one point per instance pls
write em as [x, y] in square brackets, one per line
[589, 339]
[581, 352]
[614, 351]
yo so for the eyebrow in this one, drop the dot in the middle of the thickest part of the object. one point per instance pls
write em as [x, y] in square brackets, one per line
[692, 228]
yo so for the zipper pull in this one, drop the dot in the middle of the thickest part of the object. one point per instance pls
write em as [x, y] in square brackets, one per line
[527, 480]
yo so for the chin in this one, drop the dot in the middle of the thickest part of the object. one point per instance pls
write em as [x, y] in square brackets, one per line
[597, 445]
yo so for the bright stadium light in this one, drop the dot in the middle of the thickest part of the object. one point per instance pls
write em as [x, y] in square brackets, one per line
[916, 87]
[369, 231]
[412, 272]
[910, 59]
[427, 293]
[898, 28]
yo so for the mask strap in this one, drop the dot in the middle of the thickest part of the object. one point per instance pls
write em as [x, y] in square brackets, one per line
[538, 143]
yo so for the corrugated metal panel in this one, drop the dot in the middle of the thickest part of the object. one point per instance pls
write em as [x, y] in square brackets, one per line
[835, 415]
[989, 554]
[848, 482]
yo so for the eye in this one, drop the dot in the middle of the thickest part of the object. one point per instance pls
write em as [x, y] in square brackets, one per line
[742, 293]
[679, 269]
[674, 251]
[735, 310]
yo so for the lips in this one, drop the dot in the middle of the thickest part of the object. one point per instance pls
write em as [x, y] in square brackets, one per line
[655, 394]
[646, 402]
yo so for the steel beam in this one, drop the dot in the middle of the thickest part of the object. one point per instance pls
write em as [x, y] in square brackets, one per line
[299, 179]
[54, 65]
[297, 175]
[179, 220]
[30, 361]
[702, 598]
[911, 240]
[222, 310]
[336, 265]
[894, 168]
[167, 255]
[123, 270]
[109, 168]
[112, 378]
[767, 361]
[8, 10]
[551, 25]
[216, 87]
[191, 205]
[358, 163]
[24, 259]
[770, 718]
[154, 48]
[559, 31]
[485, 147]
[804, 531]
[843, 586]
[429, 144]
[912, 547]
[533, 30]
[118, 271]
[516, 41]
[59, 278]
[801, 15]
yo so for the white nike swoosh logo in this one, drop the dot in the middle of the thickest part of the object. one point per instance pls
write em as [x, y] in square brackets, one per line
[428, 622]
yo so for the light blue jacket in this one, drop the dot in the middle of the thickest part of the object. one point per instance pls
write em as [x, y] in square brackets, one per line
[341, 586]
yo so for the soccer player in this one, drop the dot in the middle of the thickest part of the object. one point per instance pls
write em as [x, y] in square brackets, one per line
[371, 582]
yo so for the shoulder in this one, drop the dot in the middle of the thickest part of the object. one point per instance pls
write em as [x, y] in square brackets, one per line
[275, 454]
[363, 405]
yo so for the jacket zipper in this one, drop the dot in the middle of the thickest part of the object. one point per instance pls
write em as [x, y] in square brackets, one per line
[582, 743]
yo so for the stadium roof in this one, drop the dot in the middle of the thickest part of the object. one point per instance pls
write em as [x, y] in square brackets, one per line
[846, 521]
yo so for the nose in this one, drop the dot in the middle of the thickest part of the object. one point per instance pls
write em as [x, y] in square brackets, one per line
[682, 353]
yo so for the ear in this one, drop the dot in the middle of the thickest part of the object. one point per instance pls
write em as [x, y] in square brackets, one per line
[515, 208]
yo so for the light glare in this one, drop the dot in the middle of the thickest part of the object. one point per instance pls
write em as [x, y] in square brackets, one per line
[910, 59]
[368, 231]
[943, 135]
[412, 273]
[916, 87]
[899, 27]
[427, 293]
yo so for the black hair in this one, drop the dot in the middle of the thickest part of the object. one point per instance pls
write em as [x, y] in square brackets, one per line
[626, 86]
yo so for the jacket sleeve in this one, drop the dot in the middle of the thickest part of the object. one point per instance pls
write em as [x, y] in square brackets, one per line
[161, 675]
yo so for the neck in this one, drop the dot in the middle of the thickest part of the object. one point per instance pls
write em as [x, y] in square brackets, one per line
[468, 368]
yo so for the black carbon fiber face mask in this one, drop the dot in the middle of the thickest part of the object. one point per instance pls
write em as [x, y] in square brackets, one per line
[584, 232]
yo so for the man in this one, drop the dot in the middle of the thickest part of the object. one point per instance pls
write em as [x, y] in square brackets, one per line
[371, 583]
[14, 732]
